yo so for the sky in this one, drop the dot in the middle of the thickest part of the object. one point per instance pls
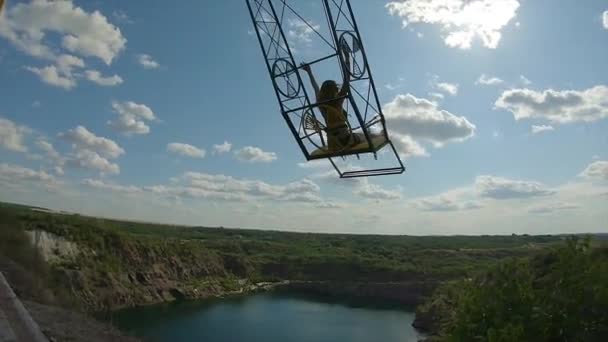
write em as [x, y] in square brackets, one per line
[498, 109]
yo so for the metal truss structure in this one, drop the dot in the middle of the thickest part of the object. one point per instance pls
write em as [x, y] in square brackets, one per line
[303, 117]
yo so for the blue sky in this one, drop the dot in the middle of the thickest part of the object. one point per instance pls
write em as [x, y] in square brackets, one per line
[166, 113]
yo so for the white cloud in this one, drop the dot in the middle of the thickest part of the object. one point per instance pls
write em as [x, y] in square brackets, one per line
[605, 19]
[186, 150]
[87, 159]
[305, 197]
[222, 187]
[88, 34]
[53, 156]
[96, 77]
[374, 191]
[445, 202]
[299, 32]
[62, 73]
[448, 88]
[563, 106]
[422, 119]
[255, 155]
[131, 118]
[488, 80]
[541, 128]
[100, 184]
[12, 136]
[445, 87]
[14, 173]
[134, 109]
[331, 205]
[48, 148]
[438, 96]
[127, 124]
[222, 148]
[315, 164]
[407, 147]
[551, 208]
[50, 75]
[147, 61]
[598, 170]
[82, 139]
[524, 80]
[502, 188]
[461, 21]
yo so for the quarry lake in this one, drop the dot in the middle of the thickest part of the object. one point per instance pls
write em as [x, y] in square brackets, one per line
[268, 317]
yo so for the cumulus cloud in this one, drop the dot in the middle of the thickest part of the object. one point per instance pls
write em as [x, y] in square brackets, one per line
[62, 73]
[422, 119]
[222, 148]
[551, 208]
[96, 77]
[87, 159]
[15, 173]
[605, 19]
[305, 197]
[147, 61]
[598, 170]
[541, 128]
[461, 21]
[563, 106]
[134, 109]
[83, 139]
[53, 156]
[438, 96]
[445, 203]
[255, 155]
[299, 32]
[488, 80]
[374, 191]
[100, 184]
[89, 34]
[186, 150]
[128, 125]
[406, 146]
[51, 75]
[26, 26]
[315, 164]
[524, 80]
[131, 118]
[48, 148]
[448, 88]
[90, 151]
[442, 87]
[502, 188]
[330, 205]
[222, 187]
[12, 136]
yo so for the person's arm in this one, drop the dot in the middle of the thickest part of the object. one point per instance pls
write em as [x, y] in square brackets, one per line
[346, 82]
[315, 86]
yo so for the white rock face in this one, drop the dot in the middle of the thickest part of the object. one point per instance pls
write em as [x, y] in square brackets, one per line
[52, 247]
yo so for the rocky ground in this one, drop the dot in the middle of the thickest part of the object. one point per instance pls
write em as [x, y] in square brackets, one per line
[64, 325]
[56, 323]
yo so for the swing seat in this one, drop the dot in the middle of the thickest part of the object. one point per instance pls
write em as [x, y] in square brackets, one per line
[333, 148]
[378, 141]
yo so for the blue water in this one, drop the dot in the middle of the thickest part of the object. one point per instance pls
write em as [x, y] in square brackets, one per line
[268, 318]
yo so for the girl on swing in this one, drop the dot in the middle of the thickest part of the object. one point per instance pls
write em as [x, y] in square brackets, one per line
[339, 135]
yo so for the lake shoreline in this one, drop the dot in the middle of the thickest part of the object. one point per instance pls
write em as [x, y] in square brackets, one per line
[268, 316]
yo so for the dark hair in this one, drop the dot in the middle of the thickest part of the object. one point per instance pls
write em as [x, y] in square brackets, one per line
[328, 91]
